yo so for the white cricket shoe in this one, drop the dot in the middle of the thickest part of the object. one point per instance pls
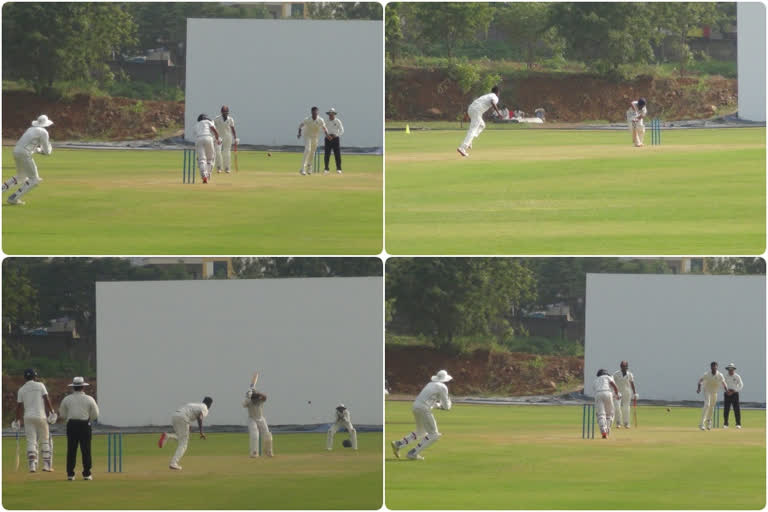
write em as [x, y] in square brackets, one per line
[395, 449]
[618, 426]
[462, 152]
[738, 427]
[626, 426]
[302, 172]
[325, 172]
[415, 456]
[701, 427]
[89, 477]
[219, 171]
[338, 171]
[175, 466]
[725, 426]
[71, 477]
[16, 201]
[47, 468]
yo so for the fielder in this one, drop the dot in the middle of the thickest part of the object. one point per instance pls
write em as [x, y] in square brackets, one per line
[257, 424]
[32, 407]
[476, 124]
[712, 380]
[181, 420]
[604, 388]
[635, 115]
[311, 127]
[625, 381]
[225, 125]
[342, 420]
[204, 132]
[434, 394]
[34, 140]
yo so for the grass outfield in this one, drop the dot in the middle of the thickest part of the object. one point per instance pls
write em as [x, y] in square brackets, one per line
[217, 474]
[533, 457]
[532, 191]
[133, 202]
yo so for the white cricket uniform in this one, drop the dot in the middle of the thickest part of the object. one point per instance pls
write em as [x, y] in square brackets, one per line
[603, 401]
[335, 127]
[710, 385]
[35, 425]
[733, 382]
[635, 122]
[434, 394]
[624, 383]
[257, 425]
[476, 110]
[204, 146]
[181, 420]
[34, 140]
[311, 129]
[342, 420]
[223, 154]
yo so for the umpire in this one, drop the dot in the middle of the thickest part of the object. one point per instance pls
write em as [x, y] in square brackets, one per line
[333, 139]
[731, 397]
[79, 410]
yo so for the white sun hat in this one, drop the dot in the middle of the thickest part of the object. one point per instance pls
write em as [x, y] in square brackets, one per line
[442, 376]
[78, 381]
[42, 122]
[730, 366]
[332, 111]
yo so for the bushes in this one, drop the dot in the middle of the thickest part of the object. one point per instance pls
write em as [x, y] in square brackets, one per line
[145, 91]
[64, 367]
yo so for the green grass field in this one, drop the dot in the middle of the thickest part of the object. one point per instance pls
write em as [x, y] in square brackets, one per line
[532, 191]
[133, 202]
[217, 474]
[533, 457]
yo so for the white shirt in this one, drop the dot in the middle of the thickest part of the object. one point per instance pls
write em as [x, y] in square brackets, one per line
[602, 384]
[734, 382]
[312, 127]
[484, 102]
[343, 416]
[639, 114]
[79, 406]
[623, 381]
[224, 127]
[255, 410]
[433, 394]
[33, 139]
[191, 412]
[31, 395]
[712, 383]
[335, 127]
[203, 128]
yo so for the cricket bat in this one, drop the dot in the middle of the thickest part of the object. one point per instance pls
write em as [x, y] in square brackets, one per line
[254, 379]
[634, 411]
[18, 461]
[237, 164]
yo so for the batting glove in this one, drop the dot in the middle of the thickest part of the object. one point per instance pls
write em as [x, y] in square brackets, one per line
[15, 425]
[52, 418]
[237, 141]
[636, 396]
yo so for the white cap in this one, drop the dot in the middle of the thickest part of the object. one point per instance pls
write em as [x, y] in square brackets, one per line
[78, 381]
[730, 366]
[442, 376]
[340, 406]
[332, 111]
[42, 122]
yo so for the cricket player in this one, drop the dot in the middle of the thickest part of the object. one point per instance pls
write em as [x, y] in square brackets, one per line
[625, 381]
[257, 424]
[605, 390]
[79, 410]
[181, 420]
[34, 140]
[342, 420]
[735, 385]
[311, 127]
[635, 115]
[32, 408]
[711, 382]
[333, 140]
[204, 133]
[225, 125]
[476, 123]
[434, 394]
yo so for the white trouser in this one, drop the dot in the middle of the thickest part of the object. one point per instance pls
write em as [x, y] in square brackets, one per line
[223, 153]
[636, 129]
[205, 155]
[310, 146]
[26, 174]
[426, 431]
[257, 427]
[335, 427]
[710, 399]
[622, 407]
[181, 435]
[36, 430]
[604, 410]
[476, 126]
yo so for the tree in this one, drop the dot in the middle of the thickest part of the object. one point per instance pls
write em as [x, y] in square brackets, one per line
[393, 33]
[454, 23]
[680, 18]
[19, 296]
[256, 268]
[527, 24]
[344, 10]
[47, 42]
[736, 266]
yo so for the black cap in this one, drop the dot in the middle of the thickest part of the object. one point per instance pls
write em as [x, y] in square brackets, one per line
[30, 373]
[641, 102]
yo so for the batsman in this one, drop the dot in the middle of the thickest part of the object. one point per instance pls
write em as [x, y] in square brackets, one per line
[257, 424]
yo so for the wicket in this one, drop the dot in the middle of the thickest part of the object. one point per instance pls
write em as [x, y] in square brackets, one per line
[588, 421]
[188, 168]
[716, 416]
[115, 452]
[656, 132]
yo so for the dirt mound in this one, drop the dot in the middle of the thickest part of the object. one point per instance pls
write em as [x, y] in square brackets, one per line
[88, 117]
[57, 390]
[482, 372]
[414, 94]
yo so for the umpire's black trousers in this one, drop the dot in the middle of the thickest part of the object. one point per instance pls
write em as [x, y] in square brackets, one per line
[732, 400]
[335, 145]
[78, 433]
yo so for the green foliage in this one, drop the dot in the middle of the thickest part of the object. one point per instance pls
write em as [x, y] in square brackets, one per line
[544, 346]
[453, 23]
[62, 366]
[344, 10]
[527, 25]
[146, 91]
[254, 268]
[464, 74]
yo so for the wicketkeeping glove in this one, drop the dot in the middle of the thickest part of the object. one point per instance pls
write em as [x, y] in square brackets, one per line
[15, 425]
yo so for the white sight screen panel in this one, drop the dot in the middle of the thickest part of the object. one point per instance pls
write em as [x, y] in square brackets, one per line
[315, 342]
[670, 327]
[271, 72]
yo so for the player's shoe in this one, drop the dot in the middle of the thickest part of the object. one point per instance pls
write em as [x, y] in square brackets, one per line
[16, 201]
[228, 171]
[47, 468]
[205, 179]
[725, 426]
[303, 172]
[71, 477]
[738, 427]
[395, 449]
[618, 426]
[415, 456]
[338, 171]
[219, 171]
[701, 427]
[162, 440]
[462, 152]
[33, 467]
[626, 426]
[89, 477]
[175, 466]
